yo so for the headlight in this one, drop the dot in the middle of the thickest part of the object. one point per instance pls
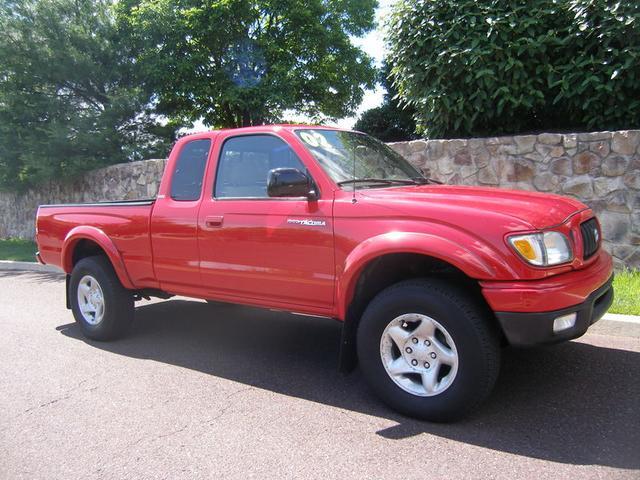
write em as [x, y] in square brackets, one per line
[542, 249]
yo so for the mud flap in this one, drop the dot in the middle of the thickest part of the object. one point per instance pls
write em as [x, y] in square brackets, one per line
[67, 281]
[348, 355]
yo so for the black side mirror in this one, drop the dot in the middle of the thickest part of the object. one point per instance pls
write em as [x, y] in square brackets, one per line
[289, 182]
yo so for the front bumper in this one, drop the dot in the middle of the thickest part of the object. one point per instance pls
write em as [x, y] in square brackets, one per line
[554, 292]
[525, 329]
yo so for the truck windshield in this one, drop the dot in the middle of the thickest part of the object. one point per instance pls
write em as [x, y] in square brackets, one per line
[356, 159]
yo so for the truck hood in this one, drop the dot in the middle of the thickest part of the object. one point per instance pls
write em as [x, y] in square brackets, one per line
[540, 210]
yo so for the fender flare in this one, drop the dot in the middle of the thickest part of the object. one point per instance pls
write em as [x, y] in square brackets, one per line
[411, 242]
[97, 236]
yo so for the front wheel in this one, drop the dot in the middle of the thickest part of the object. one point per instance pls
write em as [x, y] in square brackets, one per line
[102, 307]
[428, 350]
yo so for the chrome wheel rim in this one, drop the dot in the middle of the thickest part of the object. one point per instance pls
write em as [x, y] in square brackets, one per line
[90, 300]
[419, 354]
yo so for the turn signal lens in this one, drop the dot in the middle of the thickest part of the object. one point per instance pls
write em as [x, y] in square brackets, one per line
[530, 248]
[525, 248]
[542, 249]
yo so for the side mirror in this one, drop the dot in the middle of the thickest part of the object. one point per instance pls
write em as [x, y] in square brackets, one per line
[289, 182]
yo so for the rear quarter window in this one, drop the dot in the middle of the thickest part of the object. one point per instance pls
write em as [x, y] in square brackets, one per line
[186, 182]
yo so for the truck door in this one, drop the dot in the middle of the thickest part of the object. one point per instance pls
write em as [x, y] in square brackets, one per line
[257, 249]
[174, 221]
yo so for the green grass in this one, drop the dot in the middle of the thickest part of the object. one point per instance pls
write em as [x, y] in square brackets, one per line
[626, 286]
[19, 250]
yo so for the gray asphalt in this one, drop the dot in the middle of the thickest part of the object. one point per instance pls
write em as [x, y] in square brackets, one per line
[201, 391]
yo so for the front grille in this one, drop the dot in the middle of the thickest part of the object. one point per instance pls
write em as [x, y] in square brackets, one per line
[590, 237]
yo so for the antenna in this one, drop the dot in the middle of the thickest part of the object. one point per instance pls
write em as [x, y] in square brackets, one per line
[353, 199]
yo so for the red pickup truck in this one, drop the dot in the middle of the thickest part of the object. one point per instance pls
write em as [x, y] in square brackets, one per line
[428, 280]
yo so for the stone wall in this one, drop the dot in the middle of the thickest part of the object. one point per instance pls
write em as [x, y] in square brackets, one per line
[125, 181]
[602, 169]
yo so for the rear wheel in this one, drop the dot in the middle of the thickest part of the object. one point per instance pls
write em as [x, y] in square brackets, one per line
[102, 307]
[428, 350]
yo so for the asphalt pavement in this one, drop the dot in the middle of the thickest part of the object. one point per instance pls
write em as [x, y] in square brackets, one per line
[204, 391]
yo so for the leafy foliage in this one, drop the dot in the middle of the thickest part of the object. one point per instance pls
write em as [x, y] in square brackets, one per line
[69, 99]
[390, 122]
[489, 67]
[387, 123]
[243, 62]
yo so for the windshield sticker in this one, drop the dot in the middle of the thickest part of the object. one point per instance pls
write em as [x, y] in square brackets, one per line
[315, 139]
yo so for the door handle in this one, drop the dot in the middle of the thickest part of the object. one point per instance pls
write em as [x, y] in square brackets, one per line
[215, 221]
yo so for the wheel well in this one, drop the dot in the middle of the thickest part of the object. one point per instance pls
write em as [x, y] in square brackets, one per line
[386, 270]
[86, 248]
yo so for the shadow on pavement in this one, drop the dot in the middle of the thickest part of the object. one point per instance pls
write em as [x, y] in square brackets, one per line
[33, 276]
[573, 403]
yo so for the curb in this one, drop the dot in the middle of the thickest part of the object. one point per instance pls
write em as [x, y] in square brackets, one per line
[10, 265]
[616, 317]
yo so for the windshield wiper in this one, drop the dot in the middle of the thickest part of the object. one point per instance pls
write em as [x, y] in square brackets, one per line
[386, 181]
[392, 181]
[425, 180]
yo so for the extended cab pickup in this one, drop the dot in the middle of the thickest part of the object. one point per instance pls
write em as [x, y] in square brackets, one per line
[429, 280]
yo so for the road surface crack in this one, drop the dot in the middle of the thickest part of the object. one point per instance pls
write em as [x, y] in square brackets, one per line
[65, 396]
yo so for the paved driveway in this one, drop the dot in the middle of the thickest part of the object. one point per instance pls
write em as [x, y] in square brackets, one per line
[197, 391]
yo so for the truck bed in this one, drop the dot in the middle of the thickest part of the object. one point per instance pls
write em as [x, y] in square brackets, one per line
[125, 223]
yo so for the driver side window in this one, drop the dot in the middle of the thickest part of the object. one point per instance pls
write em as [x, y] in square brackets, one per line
[245, 163]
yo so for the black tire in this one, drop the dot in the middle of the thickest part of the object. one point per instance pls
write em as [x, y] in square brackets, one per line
[467, 323]
[118, 302]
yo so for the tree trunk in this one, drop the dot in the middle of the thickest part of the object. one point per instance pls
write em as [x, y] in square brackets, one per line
[246, 119]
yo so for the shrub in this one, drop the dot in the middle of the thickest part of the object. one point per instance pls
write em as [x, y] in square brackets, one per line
[387, 123]
[491, 67]
[390, 122]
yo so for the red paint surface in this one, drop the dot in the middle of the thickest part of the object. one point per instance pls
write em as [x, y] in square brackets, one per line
[247, 251]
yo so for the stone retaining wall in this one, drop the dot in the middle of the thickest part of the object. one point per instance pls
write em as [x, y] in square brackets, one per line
[602, 169]
[125, 181]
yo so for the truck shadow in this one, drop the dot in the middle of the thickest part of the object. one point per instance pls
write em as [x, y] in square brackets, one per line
[575, 403]
[35, 277]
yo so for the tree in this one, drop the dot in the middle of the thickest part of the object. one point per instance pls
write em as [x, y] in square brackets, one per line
[243, 62]
[69, 99]
[485, 67]
[390, 122]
